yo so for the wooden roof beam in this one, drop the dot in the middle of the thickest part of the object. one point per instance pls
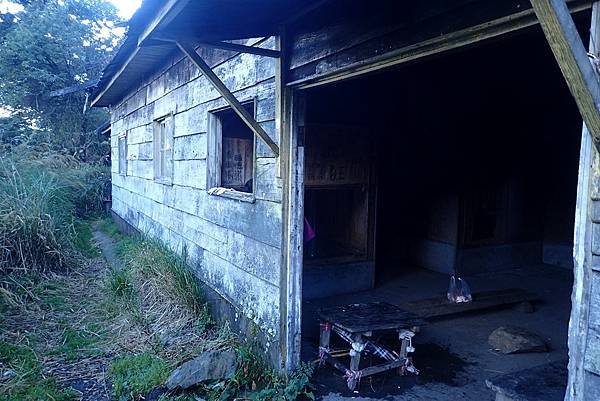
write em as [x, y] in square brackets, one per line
[159, 40]
[234, 47]
[249, 120]
[569, 51]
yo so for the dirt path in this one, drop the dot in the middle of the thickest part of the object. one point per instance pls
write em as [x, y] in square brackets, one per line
[59, 328]
[107, 246]
[61, 335]
[64, 327]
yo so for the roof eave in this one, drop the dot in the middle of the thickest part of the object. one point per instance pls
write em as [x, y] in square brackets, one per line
[164, 15]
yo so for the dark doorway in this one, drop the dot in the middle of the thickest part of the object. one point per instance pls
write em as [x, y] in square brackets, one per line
[464, 164]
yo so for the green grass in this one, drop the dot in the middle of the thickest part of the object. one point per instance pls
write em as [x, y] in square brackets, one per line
[108, 226]
[149, 264]
[50, 295]
[27, 383]
[20, 358]
[182, 397]
[42, 200]
[154, 259]
[151, 258]
[84, 239]
[78, 343]
[135, 376]
[121, 286]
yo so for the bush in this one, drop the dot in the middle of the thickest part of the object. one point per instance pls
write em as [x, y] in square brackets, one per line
[41, 199]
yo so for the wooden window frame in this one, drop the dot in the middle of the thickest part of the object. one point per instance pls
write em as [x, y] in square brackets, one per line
[215, 154]
[122, 154]
[163, 137]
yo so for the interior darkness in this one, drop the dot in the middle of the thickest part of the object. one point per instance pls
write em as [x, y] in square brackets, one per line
[232, 125]
[474, 148]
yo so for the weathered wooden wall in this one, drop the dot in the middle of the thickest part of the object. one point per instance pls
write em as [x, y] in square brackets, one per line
[345, 40]
[232, 245]
[589, 288]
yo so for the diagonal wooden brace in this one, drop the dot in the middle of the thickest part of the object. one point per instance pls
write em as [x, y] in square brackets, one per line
[234, 47]
[569, 51]
[190, 52]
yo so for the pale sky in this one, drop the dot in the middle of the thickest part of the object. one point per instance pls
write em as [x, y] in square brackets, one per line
[126, 7]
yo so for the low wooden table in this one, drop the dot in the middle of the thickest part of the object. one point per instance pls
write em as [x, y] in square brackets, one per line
[356, 323]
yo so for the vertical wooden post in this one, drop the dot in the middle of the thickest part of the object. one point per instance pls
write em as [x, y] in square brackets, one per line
[325, 336]
[582, 247]
[291, 115]
[355, 360]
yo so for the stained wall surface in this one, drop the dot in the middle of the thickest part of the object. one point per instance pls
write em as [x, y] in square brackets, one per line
[233, 246]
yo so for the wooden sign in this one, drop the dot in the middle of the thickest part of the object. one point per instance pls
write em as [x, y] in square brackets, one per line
[237, 162]
[337, 155]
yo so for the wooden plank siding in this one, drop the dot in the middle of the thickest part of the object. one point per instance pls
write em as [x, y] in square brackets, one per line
[233, 246]
[584, 325]
[349, 46]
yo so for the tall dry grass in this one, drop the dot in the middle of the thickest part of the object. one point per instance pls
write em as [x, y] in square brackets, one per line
[41, 200]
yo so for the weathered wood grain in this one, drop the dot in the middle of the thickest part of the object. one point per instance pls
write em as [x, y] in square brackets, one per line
[260, 220]
[592, 351]
[440, 307]
[589, 173]
[350, 48]
[222, 88]
[139, 151]
[234, 246]
[374, 316]
[234, 47]
[189, 147]
[190, 173]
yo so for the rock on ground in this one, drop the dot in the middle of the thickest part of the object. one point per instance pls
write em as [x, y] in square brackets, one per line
[211, 365]
[513, 340]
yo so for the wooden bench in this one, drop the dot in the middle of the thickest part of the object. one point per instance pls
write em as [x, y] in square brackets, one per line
[440, 307]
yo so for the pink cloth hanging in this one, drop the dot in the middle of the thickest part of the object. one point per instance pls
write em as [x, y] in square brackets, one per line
[309, 233]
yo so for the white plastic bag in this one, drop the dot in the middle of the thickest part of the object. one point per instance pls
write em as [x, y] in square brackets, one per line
[459, 291]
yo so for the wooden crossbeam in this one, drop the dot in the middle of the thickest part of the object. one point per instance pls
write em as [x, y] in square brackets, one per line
[249, 120]
[569, 51]
[234, 47]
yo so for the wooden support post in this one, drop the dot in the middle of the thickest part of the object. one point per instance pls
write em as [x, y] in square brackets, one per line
[355, 359]
[582, 250]
[325, 337]
[565, 42]
[249, 120]
[404, 348]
